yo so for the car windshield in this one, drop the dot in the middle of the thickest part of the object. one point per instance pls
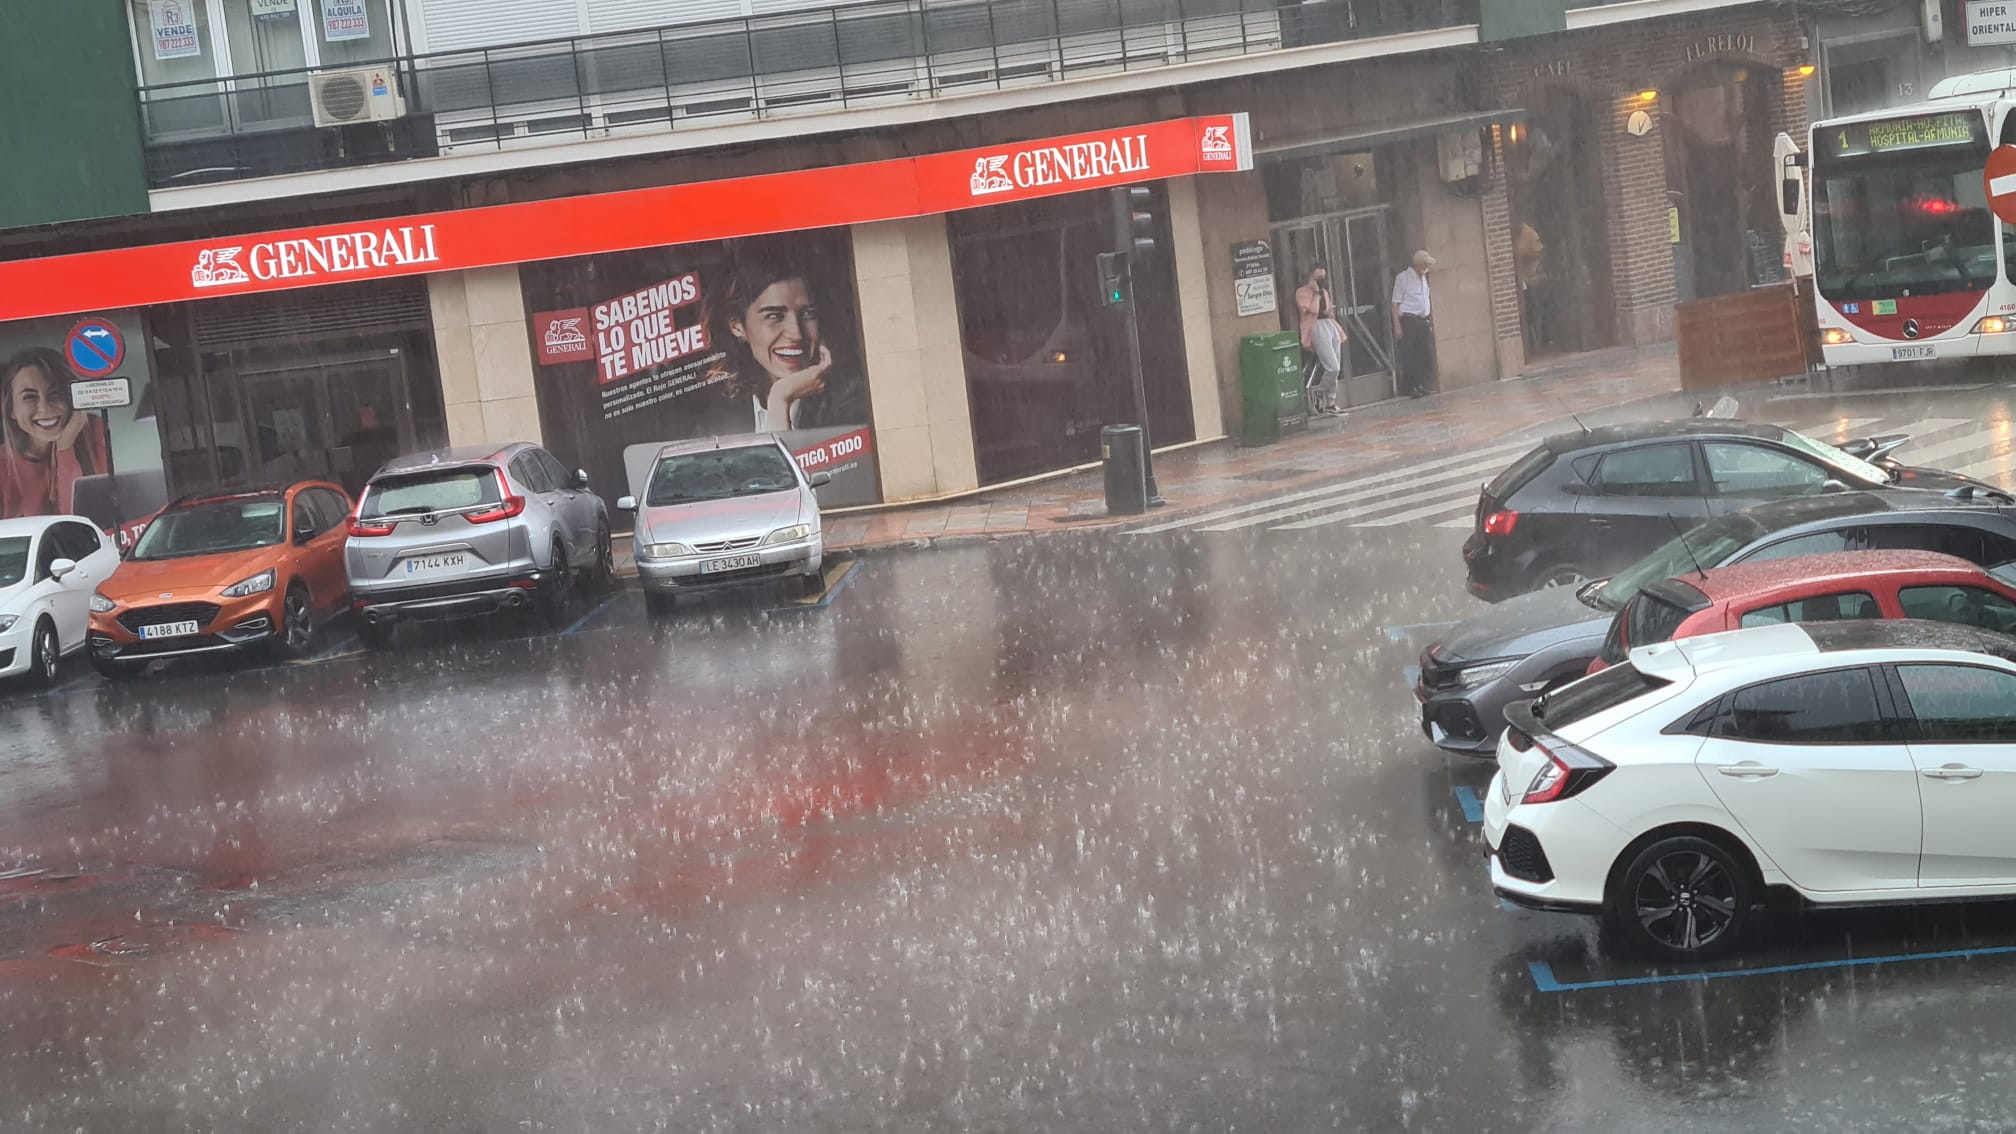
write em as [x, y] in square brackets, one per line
[13, 560]
[1709, 545]
[719, 474]
[1855, 466]
[212, 527]
[439, 490]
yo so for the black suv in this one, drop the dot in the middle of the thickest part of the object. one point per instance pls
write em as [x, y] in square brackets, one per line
[1586, 505]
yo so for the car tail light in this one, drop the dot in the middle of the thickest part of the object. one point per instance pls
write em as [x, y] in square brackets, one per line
[360, 528]
[1500, 523]
[511, 506]
[1568, 771]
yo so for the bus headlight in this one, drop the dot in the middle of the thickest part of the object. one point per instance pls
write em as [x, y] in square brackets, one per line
[1995, 325]
[1835, 336]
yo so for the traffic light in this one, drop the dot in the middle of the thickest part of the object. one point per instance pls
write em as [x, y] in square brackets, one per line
[1112, 278]
[1141, 223]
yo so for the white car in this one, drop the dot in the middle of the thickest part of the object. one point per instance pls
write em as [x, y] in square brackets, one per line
[48, 568]
[1850, 762]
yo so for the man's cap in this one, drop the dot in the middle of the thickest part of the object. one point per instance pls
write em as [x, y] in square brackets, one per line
[1423, 260]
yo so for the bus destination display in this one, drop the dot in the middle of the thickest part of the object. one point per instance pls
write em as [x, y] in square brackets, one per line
[1917, 132]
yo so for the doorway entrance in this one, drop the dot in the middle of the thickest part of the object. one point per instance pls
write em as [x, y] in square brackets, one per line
[1718, 177]
[336, 419]
[1352, 247]
[1560, 245]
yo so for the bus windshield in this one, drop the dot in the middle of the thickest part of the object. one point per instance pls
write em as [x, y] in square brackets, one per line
[1888, 225]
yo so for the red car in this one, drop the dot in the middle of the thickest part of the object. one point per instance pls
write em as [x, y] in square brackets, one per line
[1812, 588]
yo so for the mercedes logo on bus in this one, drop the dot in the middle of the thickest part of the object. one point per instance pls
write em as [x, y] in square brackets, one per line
[1910, 328]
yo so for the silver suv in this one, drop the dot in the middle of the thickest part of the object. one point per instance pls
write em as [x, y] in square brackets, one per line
[473, 530]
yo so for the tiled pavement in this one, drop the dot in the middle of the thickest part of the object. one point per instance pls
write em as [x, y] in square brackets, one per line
[1596, 386]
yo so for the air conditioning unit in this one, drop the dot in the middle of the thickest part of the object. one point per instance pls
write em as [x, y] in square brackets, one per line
[367, 94]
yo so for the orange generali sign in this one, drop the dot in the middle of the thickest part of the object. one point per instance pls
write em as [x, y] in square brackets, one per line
[614, 222]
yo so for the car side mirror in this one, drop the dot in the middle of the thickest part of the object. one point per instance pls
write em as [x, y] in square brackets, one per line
[304, 532]
[580, 478]
[821, 479]
[626, 503]
[1832, 485]
[61, 567]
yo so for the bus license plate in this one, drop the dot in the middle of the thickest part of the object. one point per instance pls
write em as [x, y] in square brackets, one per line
[1907, 353]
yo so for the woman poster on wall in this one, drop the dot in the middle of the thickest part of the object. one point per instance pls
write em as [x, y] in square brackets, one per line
[57, 459]
[716, 339]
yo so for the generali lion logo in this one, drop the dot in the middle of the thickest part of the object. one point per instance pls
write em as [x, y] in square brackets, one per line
[218, 266]
[990, 175]
[565, 335]
[1216, 144]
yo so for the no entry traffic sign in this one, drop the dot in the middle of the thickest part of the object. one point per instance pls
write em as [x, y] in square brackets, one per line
[2000, 178]
[94, 348]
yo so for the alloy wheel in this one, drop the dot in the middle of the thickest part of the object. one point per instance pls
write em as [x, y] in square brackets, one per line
[1563, 577]
[299, 621]
[47, 655]
[1685, 900]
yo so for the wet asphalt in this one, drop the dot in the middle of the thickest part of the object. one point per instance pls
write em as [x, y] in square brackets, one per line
[1085, 832]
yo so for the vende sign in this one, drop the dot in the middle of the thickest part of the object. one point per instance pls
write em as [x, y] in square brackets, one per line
[616, 222]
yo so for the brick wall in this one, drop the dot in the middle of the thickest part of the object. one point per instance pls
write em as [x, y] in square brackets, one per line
[1608, 67]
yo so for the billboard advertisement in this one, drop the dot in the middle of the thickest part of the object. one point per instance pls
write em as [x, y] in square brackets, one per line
[58, 454]
[713, 339]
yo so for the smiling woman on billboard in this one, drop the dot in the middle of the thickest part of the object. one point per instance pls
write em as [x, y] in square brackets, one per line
[777, 365]
[50, 445]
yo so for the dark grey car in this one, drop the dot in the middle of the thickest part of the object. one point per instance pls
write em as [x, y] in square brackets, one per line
[1535, 641]
[472, 530]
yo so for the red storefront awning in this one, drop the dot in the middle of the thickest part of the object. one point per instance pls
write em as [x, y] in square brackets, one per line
[612, 222]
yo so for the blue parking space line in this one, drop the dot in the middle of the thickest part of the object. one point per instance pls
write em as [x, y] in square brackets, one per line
[1544, 980]
[1473, 808]
[590, 616]
[1412, 675]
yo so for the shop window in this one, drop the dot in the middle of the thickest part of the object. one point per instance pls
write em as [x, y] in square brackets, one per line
[1046, 361]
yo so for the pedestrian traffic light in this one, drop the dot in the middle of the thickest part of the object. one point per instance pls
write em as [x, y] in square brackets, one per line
[1141, 223]
[1113, 278]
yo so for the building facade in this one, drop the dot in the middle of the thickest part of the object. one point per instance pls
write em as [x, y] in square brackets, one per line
[374, 226]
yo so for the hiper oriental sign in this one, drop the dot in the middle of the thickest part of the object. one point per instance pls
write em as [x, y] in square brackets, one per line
[614, 222]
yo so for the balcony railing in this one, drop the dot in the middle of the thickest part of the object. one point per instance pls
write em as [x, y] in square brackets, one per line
[678, 77]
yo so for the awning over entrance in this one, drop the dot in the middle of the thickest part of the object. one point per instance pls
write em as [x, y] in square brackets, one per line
[1365, 137]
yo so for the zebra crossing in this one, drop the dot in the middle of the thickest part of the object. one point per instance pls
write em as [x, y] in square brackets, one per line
[1442, 492]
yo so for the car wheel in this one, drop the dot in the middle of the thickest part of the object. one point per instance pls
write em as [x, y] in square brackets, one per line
[1559, 575]
[45, 655]
[656, 603]
[812, 585]
[112, 669]
[296, 635]
[558, 600]
[602, 575]
[1683, 898]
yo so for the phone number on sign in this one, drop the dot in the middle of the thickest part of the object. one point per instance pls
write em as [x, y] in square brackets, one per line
[833, 450]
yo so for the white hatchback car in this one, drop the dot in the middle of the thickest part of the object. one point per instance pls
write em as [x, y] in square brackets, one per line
[1851, 762]
[49, 566]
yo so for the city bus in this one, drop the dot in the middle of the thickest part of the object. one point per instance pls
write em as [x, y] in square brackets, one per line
[1908, 264]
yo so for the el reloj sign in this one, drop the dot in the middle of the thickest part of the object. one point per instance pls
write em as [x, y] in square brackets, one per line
[612, 222]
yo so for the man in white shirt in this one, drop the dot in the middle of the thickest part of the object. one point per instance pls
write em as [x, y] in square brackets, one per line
[1413, 330]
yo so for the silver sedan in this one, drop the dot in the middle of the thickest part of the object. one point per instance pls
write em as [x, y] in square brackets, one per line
[725, 512]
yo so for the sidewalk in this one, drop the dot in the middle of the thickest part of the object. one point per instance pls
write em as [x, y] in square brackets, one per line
[1594, 386]
[1214, 475]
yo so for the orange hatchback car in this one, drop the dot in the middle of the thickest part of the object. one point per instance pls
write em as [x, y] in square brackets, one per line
[258, 569]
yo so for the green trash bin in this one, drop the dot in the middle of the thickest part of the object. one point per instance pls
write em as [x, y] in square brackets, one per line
[1270, 383]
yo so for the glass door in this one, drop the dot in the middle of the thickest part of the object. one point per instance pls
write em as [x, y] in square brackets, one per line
[1371, 325]
[1352, 248]
[286, 426]
[368, 421]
